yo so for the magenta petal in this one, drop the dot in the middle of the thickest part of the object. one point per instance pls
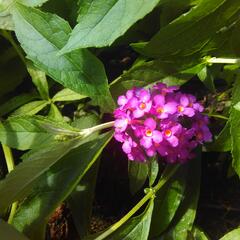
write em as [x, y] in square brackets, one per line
[159, 100]
[157, 136]
[127, 147]
[170, 107]
[173, 141]
[144, 95]
[189, 112]
[138, 113]
[151, 151]
[184, 101]
[150, 123]
[146, 142]
[122, 100]
[121, 124]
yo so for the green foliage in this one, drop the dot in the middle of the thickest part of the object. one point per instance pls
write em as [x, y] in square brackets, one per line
[68, 61]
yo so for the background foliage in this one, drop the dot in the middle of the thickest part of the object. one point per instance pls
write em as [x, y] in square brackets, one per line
[56, 80]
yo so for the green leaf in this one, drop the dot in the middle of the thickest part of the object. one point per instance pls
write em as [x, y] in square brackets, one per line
[237, 106]
[19, 182]
[223, 141]
[55, 186]
[167, 202]
[198, 234]
[39, 79]
[31, 108]
[103, 21]
[81, 201]
[67, 95]
[207, 78]
[137, 173]
[135, 228]
[185, 215]
[55, 114]
[234, 127]
[233, 235]
[9, 232]
[181, 37]
[16, 102]
[6, 21]
[153, 169]
[29, 132]
[42, 35]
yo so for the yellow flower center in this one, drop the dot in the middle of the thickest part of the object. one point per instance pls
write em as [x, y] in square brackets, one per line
[142, 105]
[180, 108]
[168, 133]
[160, 110]
[148, 133]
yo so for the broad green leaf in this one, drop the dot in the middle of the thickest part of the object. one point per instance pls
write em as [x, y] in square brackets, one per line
[81, 201]
[31, 108]
[167, 202]
[135, 228]
[137, 174]
[55, 114]
[185, 215]
[67, 95]
[55, 185]
[16, 102]
[42, 35]
[9, 232]
[29, 132]
[234, 127]
[233, 235]
[19, 182]
[103, 21]
[223, 141]
[39, 79]
[181, 37]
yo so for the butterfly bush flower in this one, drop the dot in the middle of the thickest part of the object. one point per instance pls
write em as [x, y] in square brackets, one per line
[162, 121]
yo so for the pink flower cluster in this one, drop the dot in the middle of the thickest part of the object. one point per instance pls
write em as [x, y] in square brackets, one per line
[160, 120]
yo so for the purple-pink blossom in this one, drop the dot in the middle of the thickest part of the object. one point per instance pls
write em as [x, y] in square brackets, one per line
[160, 120]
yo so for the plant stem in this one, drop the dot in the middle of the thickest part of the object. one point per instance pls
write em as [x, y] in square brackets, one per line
[224, 60]
[167, 174]
[10, 166]
[216, 116]
[9, 37]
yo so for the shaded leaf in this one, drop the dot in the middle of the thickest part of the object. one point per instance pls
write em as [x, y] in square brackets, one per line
[42, 35]
[55, 186]
[153, 169]
[137, 173]
[16, 102]
[9, 232]
[181, 37]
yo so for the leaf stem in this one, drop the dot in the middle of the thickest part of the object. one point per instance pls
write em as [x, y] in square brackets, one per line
[167, 174]
[9, 37]
[10, 166]
[224, 60]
